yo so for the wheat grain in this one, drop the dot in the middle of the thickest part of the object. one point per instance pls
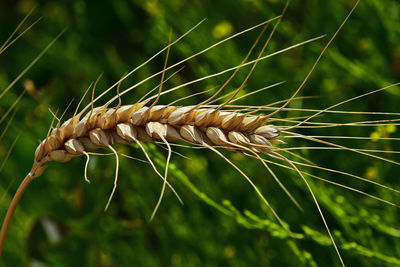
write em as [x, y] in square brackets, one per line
[103, 127]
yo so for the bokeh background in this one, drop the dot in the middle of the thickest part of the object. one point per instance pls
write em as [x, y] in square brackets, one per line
[60, 220]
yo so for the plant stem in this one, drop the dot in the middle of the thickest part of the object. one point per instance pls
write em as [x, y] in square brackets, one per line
[14, 203]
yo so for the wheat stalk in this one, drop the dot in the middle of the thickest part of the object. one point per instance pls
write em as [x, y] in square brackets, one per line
[102, 127]
[203, 125]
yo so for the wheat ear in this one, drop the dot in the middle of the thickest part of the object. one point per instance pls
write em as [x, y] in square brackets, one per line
[209, 127]
[103, 127]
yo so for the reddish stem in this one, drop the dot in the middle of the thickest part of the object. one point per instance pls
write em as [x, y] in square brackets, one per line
[14, 203]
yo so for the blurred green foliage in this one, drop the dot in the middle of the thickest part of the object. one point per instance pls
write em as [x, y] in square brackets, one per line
[60, 220]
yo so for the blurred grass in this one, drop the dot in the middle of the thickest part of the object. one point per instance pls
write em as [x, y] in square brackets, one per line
[222, 223]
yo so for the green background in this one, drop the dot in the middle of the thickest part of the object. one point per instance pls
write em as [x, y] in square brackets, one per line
[60, 220]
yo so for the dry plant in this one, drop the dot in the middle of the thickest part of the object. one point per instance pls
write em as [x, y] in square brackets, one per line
[233, 128]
